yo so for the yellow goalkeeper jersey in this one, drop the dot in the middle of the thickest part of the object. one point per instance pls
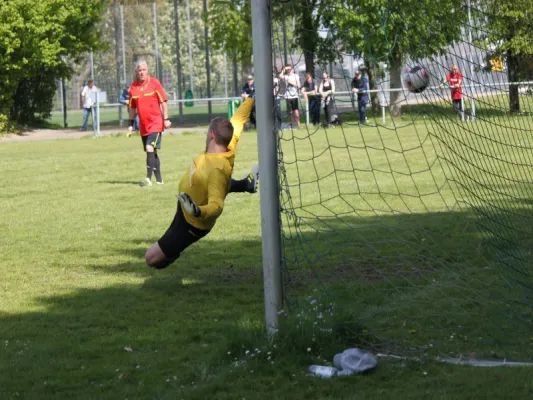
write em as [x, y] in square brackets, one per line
[208, 179]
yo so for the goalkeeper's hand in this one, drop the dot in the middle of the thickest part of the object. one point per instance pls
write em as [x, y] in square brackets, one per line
[188, 204]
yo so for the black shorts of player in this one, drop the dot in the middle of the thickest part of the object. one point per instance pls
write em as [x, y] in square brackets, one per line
[179, 236]
[152, 139]
[292, 104]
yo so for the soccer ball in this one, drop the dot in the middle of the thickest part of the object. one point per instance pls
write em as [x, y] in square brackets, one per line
[415, 79]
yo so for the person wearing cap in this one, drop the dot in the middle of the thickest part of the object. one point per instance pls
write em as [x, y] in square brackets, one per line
[124, 99]
[249, 90]
[310, 93]
[360, 87]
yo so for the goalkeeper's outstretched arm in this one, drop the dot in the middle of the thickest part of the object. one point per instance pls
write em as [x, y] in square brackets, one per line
[217, 190]
[238, 121]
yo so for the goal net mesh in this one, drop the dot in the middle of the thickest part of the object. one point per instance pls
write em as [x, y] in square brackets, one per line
[415, 227]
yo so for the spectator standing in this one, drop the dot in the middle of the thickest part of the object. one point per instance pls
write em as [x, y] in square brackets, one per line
[361, 87]
[454, 79]
[310, 93]
[88, 100]
[326, 91]
[147, 96]
[292, 82]
[277, 101]
[249, 90]
[124, 99]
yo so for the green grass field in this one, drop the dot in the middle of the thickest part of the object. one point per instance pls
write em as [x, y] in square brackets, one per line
[81, 316]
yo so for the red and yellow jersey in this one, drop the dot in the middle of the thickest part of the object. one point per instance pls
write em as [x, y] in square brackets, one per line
[208, 178]
[455, 79]
[147, 98]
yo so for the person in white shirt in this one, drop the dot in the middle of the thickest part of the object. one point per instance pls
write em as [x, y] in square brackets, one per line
[88, 100]
[292, 90]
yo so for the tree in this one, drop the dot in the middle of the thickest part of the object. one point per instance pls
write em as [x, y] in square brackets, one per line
[37, 37]
[390, 30]
[231, 29]
[306, 28]
[510, 28]
[230, 26]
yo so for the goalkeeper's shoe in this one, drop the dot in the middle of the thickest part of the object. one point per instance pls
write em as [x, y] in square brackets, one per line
[253, 179]
[146, 182]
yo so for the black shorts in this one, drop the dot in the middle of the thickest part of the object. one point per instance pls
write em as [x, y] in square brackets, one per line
[152, 139]
[179, 236]
[292, 104]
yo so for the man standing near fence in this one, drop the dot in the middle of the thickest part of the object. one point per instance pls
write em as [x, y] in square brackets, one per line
[148, 97]
[310, 93]
[454, 79]
[277, 101]
[88, 99]
[248, 90]
[292, 89]
[124, 98]
[360, 87]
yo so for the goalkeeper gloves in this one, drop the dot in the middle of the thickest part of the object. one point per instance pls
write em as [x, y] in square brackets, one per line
[188, 204]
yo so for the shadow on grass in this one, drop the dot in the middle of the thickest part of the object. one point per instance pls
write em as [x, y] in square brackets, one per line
[123, 339]
[416, 283]
[120, 182]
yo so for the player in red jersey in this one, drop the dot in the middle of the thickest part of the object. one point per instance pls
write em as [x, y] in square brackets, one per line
[455, 80]
[148, 97]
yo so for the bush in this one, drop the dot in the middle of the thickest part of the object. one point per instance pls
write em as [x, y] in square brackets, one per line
[33, 99]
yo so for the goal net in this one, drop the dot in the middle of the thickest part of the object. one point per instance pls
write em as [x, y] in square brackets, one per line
[411, 233]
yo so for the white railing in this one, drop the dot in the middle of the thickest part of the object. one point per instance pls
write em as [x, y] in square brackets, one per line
[347, 97]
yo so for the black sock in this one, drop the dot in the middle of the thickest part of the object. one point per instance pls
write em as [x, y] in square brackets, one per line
[150, 164]
[238, 186]
[157, 169]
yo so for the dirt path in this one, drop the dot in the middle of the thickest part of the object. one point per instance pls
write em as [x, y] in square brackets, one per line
[55, 134]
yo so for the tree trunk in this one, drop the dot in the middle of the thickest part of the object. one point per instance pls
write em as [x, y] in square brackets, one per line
[309, 58]
[236, 86]
[117, 57]
[513, 68]
[372, 69]
[247, 68]
[395, 83]
[308, 38]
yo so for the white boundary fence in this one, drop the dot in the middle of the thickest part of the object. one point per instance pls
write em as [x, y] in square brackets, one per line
[431, 94]
[438, 94]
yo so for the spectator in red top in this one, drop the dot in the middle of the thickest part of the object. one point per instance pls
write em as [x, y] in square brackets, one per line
[148, 97]
[454, 80]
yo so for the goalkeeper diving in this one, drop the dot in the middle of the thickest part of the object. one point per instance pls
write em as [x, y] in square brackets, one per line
[203, 189]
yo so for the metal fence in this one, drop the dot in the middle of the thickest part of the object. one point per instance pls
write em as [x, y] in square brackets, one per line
[170, 36]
